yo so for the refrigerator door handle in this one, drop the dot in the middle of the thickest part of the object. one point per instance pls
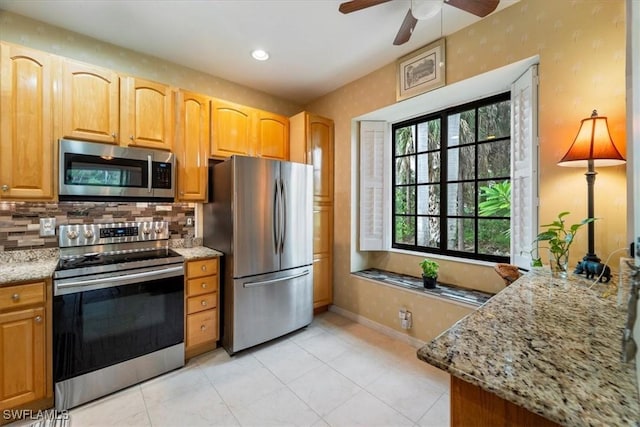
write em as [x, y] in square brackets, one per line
[283, 217]
[276, 217]
[268, 282]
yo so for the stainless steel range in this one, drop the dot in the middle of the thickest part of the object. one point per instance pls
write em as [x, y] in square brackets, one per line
[118, 309]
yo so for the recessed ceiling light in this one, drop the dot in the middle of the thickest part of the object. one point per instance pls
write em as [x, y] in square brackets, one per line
[260, 55]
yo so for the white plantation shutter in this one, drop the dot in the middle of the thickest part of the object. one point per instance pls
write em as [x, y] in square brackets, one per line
[373, 186]
[524, 166]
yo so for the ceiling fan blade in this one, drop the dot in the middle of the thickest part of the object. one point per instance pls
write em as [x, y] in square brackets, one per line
[355, 5]
[479, 8]
[404, 33]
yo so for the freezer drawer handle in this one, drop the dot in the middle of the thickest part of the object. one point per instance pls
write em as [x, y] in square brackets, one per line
[268, 282]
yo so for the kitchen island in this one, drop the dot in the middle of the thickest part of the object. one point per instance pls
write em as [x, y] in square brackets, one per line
[543, 349]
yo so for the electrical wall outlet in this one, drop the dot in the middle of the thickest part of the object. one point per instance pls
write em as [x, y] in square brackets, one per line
[189, 221]
[406, 319]
[47, 227]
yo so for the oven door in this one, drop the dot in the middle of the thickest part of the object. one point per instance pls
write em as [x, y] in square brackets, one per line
[102, 321]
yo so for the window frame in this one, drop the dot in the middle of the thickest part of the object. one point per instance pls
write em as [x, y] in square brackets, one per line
[443, 215]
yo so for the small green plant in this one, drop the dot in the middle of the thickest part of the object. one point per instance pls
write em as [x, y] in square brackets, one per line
[429, 268]
[558, 237]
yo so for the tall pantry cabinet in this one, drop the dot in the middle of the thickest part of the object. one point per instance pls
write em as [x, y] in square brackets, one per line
[311, 142]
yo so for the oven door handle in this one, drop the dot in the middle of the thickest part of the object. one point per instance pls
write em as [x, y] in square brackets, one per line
[109, 282]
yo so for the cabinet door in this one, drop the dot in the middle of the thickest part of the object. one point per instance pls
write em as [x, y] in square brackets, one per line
[22, 357]
[322, 281]
[90, 103]
[192, 145]
[26, 130]
[320, 155]
[230, 129]
[322, 255]
[272, 136]
[147, 113]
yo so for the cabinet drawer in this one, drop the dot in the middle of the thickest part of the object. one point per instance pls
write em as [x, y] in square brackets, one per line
[202, 285]
[202, 268]
[202, 327]
[202, 302]
[21, 295]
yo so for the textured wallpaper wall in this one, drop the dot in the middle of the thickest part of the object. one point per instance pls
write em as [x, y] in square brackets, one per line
[38, 35]
[581, 45]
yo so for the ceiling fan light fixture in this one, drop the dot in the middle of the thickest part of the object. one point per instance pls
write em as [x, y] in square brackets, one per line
[425, 9]
[260, 55]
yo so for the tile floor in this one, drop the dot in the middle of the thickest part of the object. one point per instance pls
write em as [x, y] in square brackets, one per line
[333, 373]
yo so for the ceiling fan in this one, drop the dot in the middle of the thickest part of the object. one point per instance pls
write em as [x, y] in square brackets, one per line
[423, 9]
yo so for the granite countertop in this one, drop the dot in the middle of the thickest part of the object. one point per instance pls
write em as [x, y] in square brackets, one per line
[39, 264]
[27, 265]
[197, 252]
[552, 346]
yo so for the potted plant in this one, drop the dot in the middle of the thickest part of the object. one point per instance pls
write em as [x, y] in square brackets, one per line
[429, 273]
[559, 240]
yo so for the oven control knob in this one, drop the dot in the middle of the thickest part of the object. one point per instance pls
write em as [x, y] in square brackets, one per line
[159, 230]
[72, 234]
[146, 231]
[88, 234]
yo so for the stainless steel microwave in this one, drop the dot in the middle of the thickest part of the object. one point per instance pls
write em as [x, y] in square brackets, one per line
[104, 172]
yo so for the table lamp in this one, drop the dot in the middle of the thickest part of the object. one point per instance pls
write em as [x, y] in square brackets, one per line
[592, 147]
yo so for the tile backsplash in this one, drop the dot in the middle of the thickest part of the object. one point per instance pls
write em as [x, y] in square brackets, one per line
[20, 221]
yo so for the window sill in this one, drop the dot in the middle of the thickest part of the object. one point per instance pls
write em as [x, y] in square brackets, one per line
[442, 290]
[443, 257]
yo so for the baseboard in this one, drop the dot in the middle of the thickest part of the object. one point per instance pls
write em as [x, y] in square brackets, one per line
[390, 332]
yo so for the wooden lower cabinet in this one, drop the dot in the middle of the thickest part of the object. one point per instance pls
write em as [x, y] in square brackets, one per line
[472, 406]
[25, 348]
[201, 306]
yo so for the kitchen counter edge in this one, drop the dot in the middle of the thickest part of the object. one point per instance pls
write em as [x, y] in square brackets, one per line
[551, 346]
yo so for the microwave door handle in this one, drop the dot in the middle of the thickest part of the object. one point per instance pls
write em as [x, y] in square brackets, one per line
[149, 172]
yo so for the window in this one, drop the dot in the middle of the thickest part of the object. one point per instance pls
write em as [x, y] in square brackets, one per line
[424, 192]
[451, 183]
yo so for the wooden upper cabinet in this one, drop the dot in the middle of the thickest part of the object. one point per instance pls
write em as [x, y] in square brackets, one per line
[320, 152]
[312, 143]
[230, 129]
[147, 113]
[90, 102]
[26, 126]
[272, 135]
[191, 146]
[242, 130]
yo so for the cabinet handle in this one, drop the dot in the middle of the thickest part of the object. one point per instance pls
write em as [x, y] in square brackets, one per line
[204, 285]
[38, 319]
[131, 137]
[203, 268]
[203, 303]
[203, 328]
[5, 187]
[15, 297]
[114, 135]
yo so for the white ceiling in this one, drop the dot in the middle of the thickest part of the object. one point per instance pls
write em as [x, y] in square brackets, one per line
[314, 48]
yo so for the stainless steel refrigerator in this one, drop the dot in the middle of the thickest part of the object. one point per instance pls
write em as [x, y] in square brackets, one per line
[261, 218]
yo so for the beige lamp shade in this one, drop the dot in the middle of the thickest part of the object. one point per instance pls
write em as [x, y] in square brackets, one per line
[593, 142]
